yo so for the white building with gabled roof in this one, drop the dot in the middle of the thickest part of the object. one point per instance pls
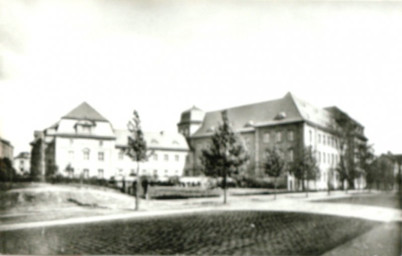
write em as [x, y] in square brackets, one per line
[84, 144]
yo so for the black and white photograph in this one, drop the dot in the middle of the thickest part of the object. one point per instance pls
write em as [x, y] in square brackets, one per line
[204, 127]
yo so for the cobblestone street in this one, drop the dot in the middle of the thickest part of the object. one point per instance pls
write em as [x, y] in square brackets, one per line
[255, 233]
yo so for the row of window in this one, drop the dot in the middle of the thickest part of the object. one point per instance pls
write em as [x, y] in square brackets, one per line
[86, 155]
[324, 139]
[100, 142]
[278, 136]
[327, 158]
[155, 157]
[101, 156]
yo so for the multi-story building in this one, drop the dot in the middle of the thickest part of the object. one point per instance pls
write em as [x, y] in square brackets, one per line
[84, 144]
[6, 149]
[22, 163]
[288, 123]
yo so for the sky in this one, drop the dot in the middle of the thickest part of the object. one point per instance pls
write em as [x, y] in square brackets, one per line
[163, 57]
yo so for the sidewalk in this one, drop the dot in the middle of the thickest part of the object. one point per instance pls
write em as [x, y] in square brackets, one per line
[384, 240]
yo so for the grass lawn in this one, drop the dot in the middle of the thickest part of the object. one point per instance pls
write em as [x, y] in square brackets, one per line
[389, 200]
[240, 233]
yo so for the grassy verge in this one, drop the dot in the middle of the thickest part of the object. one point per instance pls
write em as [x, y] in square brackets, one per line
[160, 192]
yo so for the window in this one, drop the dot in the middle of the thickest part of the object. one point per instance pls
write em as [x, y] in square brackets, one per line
[155, 157]
[166, 173]
[177, 172]
[120, 171]
[71, 141]
[144, 171]
[21, 162]
[176, 157]
[290, 136]
[311, 136]
[266, 137]
[155, 172]
[86, 154]
[319, 138]
[132, 172]
[101, 156]
[291, 155]
[121, 155]
[324, 157]
[86, 173]
[100, 173]
[101, 143]
[70, 155]
[166, 157]
[323, 139]
[278, 137]
[319, 157]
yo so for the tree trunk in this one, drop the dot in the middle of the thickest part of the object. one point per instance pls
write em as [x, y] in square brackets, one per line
[307, 189]
[137, 192]
[224, 189]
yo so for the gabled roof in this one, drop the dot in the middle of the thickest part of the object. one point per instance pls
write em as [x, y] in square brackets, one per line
[85, 111]
[262, 113]
[155, 140]
[288, 109]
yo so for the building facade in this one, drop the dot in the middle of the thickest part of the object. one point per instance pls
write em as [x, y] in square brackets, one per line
[6, 149]
[84, 144]
[288, 123]
[22, 163]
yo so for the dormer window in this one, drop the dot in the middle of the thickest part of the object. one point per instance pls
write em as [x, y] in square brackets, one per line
[280, 116]
[249, 124]
[153, 141]
[84, 127]
[211, 129]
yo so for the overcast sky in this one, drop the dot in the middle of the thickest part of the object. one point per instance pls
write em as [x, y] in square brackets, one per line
[162, 57]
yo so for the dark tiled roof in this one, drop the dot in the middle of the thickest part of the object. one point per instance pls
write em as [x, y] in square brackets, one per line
[85, 111]
[257, 114]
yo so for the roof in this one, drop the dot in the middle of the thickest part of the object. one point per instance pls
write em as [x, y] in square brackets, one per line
[85, 111]
[288, 109]
[273, 111]
[23, 155]
[313, 114]
[155, 140]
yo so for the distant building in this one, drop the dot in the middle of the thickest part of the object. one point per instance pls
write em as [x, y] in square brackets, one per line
[6, 149]
[288, 123]
[84, 144]
[22, 163]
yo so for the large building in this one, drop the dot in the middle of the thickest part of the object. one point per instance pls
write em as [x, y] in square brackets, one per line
[84, 144]
[6, 149]
[288, 123]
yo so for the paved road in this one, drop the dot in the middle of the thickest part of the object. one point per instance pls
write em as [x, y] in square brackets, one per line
[233, 232]
[63, 239]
